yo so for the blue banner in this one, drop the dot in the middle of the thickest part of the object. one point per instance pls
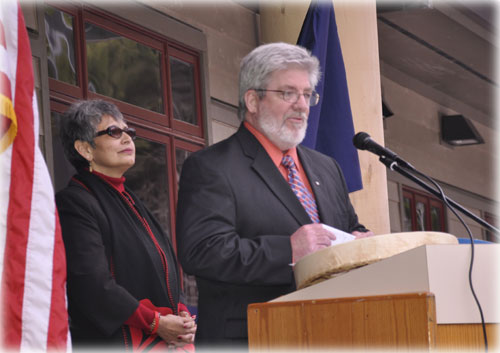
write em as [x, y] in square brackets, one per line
[330, 129]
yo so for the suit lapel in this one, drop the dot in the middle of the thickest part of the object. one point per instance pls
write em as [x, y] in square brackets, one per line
[263, 165]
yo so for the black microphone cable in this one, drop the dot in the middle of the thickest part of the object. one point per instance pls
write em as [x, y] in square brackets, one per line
[363, 141]
[469, 233]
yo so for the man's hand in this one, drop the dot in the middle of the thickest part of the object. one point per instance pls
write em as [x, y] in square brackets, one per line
[360, 235]
[308, 239]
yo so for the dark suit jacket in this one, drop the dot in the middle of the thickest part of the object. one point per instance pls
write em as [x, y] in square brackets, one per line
[235, 216]
[112, 261]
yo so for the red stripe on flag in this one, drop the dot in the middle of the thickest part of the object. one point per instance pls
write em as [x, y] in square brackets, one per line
[43, 323]
[3, 42]
[18, 214]
[5, 85]
[58, 322]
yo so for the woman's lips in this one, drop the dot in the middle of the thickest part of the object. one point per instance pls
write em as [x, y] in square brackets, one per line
[127, 151]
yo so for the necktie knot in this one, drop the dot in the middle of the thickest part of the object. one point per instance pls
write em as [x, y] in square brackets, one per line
[287, 161]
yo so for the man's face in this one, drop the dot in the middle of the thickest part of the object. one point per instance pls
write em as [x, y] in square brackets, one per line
[284, 123]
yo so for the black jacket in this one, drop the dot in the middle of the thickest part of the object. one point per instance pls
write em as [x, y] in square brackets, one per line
[235, 215]
[112, 260]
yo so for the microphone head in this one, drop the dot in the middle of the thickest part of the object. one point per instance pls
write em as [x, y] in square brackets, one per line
[360, 140]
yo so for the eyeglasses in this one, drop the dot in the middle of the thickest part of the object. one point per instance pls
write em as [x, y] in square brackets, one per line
[116, 132]
[293, 96]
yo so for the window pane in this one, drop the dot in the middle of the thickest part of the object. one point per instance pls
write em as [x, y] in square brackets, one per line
[123, 69]
[183, 92]
[180, 156]
[63, 169]
[436, 218]
[420, 209]
[148, 179]
[407, 226]
[59, 37]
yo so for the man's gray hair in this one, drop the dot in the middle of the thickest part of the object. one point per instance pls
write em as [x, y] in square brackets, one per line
[80, 123]
[257, 67]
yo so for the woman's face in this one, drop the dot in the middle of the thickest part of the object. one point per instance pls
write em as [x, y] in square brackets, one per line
[112, 156]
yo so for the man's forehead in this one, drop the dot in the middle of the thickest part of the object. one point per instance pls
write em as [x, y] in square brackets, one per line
[293, 78]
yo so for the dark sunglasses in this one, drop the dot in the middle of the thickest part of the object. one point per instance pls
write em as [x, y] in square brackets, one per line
[116, 132]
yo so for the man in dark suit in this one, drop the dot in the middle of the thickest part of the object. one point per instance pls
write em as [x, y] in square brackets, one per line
[240, 224]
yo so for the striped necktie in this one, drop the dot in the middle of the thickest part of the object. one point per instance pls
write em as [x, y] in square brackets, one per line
[300, 189]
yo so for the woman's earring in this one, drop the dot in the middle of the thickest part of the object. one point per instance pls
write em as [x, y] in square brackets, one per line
[90, 167]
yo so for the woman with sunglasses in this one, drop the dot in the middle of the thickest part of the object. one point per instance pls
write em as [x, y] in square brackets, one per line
[123, 283]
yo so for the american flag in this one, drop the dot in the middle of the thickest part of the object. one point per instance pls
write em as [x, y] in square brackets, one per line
[32, 259]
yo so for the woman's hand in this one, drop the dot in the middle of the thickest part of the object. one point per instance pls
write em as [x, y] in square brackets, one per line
[177, 330]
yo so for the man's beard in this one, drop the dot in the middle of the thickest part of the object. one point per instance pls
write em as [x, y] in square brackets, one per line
[280, 133]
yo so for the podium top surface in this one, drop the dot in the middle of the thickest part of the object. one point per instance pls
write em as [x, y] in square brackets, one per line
[324, 263]
[439, 269]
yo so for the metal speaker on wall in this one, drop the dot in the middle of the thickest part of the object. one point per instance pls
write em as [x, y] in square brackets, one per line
[386, 111]
[457, 130]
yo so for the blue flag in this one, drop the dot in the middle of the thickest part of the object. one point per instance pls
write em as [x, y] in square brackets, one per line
[330, 129]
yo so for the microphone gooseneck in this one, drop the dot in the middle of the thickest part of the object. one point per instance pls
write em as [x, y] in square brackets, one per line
[363, 141]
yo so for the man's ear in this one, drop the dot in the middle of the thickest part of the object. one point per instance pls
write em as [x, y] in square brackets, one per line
[252, 101]
[85, 149]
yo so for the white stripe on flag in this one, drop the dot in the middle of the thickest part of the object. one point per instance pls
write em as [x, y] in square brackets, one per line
[5, 163]
[8, 58]
[35, 299]
[8, 16]
[38, 280]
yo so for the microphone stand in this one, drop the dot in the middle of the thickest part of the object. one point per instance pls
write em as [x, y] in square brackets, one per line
[392, 164]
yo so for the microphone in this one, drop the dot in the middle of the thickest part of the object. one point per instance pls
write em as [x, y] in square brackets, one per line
[363, 141]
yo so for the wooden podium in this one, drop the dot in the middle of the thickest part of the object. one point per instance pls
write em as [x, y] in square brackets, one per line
[417, 300]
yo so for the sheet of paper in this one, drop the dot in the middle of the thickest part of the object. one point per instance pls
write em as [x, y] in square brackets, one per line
[341, 236]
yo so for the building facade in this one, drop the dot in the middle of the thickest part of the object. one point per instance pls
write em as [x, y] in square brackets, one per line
[172, 69]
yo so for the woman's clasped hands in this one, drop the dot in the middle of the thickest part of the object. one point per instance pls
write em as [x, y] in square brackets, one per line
[178, 330]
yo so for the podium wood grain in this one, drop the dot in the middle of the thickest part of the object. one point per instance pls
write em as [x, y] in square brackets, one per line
[466, 337]
[391, 321]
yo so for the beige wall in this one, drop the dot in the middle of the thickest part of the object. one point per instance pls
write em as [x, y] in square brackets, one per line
[466, 173]
[357, 29]
[414, 132]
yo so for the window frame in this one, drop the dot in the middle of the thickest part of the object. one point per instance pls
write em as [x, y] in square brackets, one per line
[166, 140]
[157, 127]
[175, 52]
[167, 47]
[492, 219]
[57, 96]
[429, 201]
[147, 39]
